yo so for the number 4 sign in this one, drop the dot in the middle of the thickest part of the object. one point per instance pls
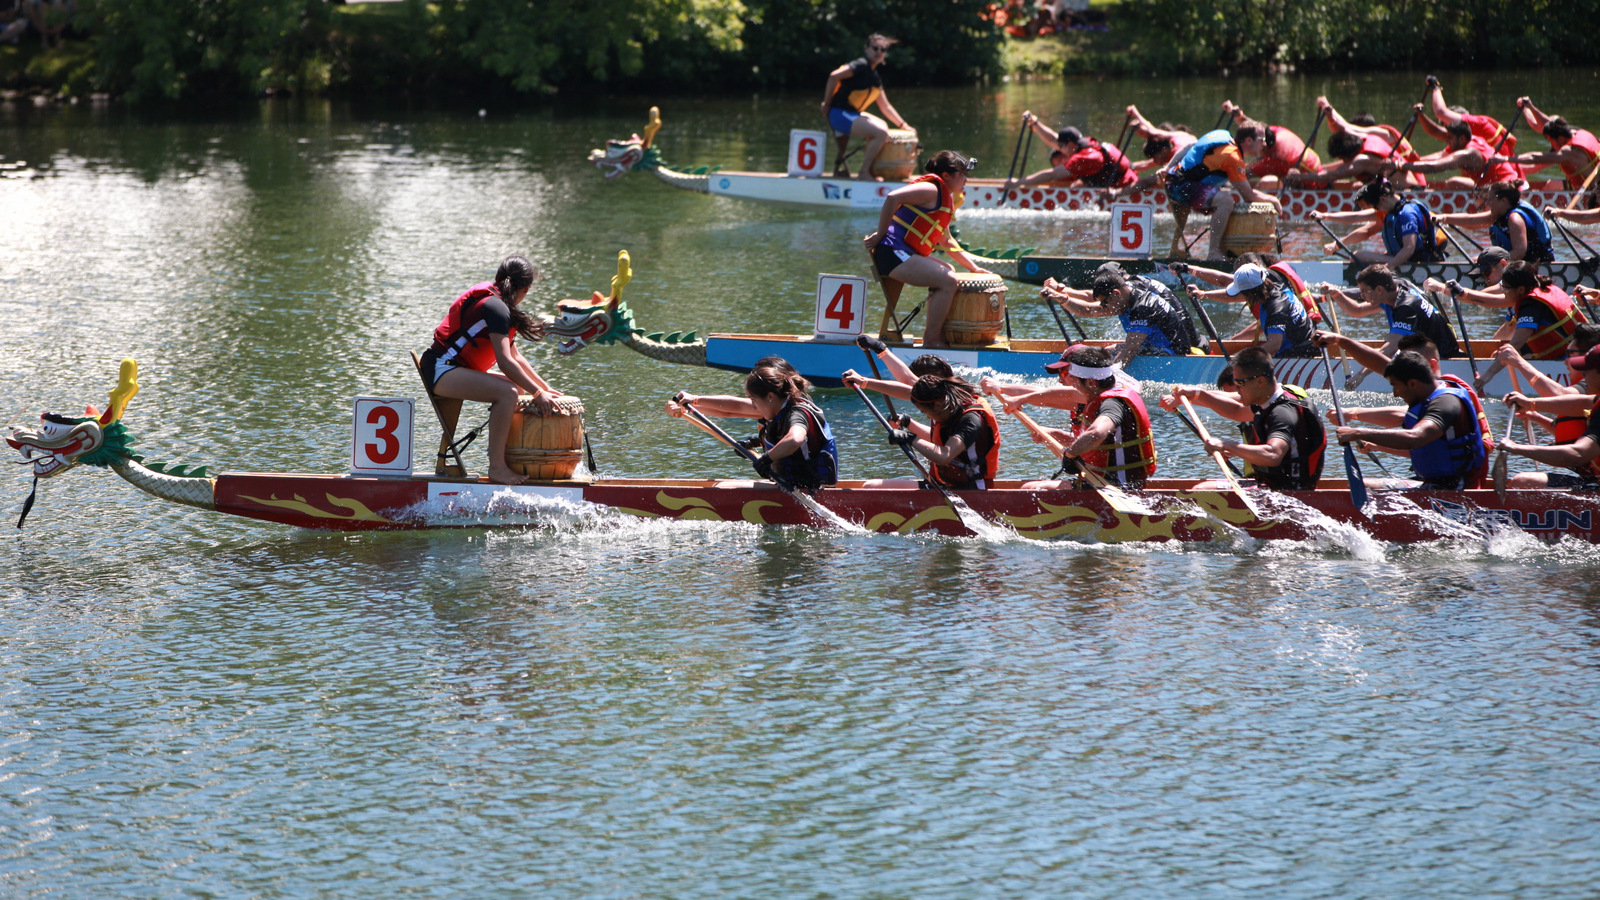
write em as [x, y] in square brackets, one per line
[1130, 229]
[382, 444]
[841, 306]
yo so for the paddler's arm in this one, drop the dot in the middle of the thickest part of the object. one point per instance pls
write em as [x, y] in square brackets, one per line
[1559, 405]
[1575, 455]
[1352, 305]
[790, 444]
[1128, 349]
[1365, 355]
[1224, 403]
[1381, 416]
[1542, 384]
[1424, 432]
[1091, 437]
[718, 405]
[949, 453]
[1058, 397]
[1077, 302]
[1215, 277]
[895, 389]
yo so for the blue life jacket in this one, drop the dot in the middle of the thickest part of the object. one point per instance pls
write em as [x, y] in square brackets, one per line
[1456, 455]
[1539, 246]
[1192, 167]
[1429, 249]
[817, 463]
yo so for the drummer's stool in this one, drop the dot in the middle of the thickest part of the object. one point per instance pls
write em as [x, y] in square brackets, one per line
[448, 462]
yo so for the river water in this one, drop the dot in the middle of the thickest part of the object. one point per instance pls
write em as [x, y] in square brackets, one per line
[192, 705]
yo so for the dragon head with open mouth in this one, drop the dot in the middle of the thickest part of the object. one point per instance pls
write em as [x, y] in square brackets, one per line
[598, 320]
[61, 442]
[624, 156]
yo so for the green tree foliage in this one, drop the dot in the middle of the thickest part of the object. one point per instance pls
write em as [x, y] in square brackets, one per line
[1206, 35]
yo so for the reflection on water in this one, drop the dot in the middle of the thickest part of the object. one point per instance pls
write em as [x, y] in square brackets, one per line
[619, 707]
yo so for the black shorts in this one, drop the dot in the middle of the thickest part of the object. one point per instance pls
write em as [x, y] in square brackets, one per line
[1568, 480]
[888, 259]
[430, 368]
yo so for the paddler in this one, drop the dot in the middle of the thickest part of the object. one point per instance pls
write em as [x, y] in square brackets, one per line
[962, 439]
[1204, 179]
[1410, 235]
[1485, 128]
[1402, 305]
[1076, 160]
[1283, 438]
[1277, 151]
[796, 443]
[1440, 431]
[915, 221]
[1465, 151]
[1363, 146]
[1576, 427]
[1154, 320]
[479, 331]
[1545, 316]
[1392, 416]
[1110, 426]
[1281, 321]
[902, 375]
[1575, 150]
[852, 88]
[1514, 225]
[1163, 143]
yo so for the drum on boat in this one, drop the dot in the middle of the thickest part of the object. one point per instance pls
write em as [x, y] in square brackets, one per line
[898, 158]
[547, 448]
[978, 311]
[1252, 229]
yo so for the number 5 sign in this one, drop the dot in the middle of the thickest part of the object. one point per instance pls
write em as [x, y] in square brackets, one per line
[805, 152]
[841, 306]
[1130, 229]
[382, 443]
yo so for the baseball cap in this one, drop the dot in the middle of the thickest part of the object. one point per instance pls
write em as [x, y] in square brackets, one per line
[1065, 359]
[1247, 277]
[1488, 258]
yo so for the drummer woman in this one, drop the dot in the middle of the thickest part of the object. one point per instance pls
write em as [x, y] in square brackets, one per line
[915, 221]
[798, 444]
[480, 331]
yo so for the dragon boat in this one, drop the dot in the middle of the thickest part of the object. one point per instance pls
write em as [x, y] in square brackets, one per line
[1028, 266]
[1174, 510]
[603, 321]
[640, 154]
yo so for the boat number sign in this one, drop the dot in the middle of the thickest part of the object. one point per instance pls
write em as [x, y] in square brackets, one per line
[805, 152]
[841, 306]
[382, 438]
[1130, 229]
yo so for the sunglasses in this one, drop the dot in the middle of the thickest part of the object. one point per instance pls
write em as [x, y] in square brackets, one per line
[876, 49]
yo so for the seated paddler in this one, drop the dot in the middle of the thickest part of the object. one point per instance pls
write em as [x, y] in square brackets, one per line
[795, 441]
[1283, 440]
[1154, 320]
[1577, 426]
[914, 222]
[479, 332]
[1111, 430]
[1440, 431]
[961, 439]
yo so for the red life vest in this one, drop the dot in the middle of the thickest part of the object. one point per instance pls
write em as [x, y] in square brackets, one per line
[969, 468]
[925, 229]
[1128, 458]
[1584, 140]
[1491, 131]
[462, 339]
[1492, 174]
[1594, 464]
[1569, 428]
[1551, 341]
[1483, 424]
[1307, 299]
[1280, 158]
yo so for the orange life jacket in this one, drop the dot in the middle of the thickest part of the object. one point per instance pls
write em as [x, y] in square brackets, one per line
[1584, 140]
[1594, 464]
[1551, 341]
[969, 467]
[925, 229]
[1128, 458]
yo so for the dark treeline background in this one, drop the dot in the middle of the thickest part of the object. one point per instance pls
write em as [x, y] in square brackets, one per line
[180, 49]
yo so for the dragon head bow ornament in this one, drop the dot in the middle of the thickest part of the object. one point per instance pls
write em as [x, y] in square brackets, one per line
[632, 154]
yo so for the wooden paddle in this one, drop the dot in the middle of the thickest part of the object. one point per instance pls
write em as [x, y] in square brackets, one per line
[911, 455]
[715, 430]
[1500, 468]
[1016, 153]
[1222, 461]
[1577, 195]
[1352, 469]
[1114, 496]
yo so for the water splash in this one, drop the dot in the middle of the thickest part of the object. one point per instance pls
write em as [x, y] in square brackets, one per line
[1325, 533]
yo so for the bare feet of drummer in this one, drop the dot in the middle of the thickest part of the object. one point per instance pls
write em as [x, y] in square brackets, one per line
[504, 475]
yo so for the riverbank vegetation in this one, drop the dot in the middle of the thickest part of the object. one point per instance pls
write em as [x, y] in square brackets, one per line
[191, 49]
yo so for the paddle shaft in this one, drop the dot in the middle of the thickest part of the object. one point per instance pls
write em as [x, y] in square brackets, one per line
[910, 454]
[1466, 339]
[1090, 476]
[1568, 236]
[1211, 330]
[1315, 127]
[1057, 314]
[716, 430]
[1352, 469]
[1185, 420]
[1470, 239]
[1594, 168]
[1205, 437]
[1516, 385]
[872, 361]
[1337, 241]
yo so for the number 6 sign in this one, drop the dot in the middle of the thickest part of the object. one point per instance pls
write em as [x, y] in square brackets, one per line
[841, 306]
[382, 444]
[1130, 229]
[805, 152]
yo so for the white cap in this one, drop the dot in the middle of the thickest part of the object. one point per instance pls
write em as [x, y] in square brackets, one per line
[1246, 277]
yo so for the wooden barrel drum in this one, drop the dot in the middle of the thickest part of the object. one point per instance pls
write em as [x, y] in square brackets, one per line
[898, 158]
[978, 312]
[1252, 229]
[547, 448]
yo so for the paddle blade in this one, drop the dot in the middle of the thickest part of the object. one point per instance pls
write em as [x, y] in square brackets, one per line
[1500, 475]
[1352, 472]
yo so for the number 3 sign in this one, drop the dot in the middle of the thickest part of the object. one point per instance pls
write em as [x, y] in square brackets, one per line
[841, 306]
[382, 443]
[1130, 229]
